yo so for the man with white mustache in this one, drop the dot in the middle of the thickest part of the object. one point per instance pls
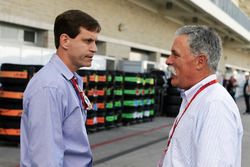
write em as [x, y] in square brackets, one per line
[208, 130]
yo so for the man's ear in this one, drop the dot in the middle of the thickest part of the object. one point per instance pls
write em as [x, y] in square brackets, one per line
[201, 61]
[64, 41]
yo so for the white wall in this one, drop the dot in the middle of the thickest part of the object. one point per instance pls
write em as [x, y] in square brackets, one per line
[20, 54]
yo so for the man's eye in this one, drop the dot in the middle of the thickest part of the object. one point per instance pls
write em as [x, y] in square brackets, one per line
[176, 55]
[88, 41]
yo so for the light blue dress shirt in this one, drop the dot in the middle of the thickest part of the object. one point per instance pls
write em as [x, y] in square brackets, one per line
[53, 132]
[210, 132]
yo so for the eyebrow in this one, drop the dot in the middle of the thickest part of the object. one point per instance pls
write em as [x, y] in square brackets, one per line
[173, 52]
[89, 39]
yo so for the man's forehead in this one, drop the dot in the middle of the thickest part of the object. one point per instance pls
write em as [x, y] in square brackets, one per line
[88, 33]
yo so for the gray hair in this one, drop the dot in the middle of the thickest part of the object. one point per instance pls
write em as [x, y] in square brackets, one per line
[203, 40]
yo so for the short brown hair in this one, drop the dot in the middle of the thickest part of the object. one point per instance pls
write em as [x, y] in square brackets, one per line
[69, 22]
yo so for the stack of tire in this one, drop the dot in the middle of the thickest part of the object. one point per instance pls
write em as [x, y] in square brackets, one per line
[110, 111]
[140, 97]
[172, 101]
[88, 87]
[160, 83]
[152, 104]
[149, 102]
[117, 98]
[132, 102]
[99, 89]
[117, 82]
[14, 79]
[104, 99]
[97, 93]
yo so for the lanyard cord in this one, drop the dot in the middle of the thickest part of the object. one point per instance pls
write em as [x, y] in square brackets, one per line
[194, 96]
[79, 91]
[177, 121]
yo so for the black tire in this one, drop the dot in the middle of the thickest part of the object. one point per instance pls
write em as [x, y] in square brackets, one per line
[9, 97]
[172, 110]
[172, 100]
[173, 91]
[27, 72]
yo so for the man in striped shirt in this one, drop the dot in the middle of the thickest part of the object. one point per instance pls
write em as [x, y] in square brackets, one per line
[208, 130]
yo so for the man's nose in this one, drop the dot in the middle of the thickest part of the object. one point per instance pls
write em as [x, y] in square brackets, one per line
[169, 60]
[93, 47]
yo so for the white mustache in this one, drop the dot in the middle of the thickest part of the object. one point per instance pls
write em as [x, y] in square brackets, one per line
[172, 70]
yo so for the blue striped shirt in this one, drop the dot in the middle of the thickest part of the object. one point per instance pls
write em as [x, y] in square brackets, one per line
[209, 133]
[53, 132]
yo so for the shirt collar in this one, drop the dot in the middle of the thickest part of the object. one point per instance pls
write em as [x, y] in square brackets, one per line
[62, 68]
[188, 94]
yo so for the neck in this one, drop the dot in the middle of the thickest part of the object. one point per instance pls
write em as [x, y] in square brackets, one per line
[205, 76]
[199, 78]
[64, 57]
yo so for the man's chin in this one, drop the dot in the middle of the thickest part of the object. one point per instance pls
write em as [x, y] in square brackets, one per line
[173, 82]
[87, 65]
[173, 77]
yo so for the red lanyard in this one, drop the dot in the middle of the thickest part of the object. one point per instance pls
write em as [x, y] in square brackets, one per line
[85, 101]
[177, 121]
[194, 96]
